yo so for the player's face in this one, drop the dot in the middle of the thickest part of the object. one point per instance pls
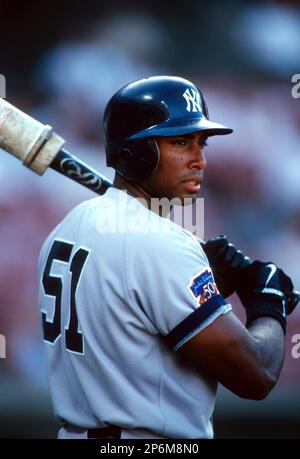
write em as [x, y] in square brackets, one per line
[181, 167]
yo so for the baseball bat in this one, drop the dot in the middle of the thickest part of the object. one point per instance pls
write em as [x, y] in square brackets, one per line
[38, 147]
[69, 165]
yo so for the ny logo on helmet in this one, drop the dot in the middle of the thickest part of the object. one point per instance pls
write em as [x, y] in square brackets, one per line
[192, 98]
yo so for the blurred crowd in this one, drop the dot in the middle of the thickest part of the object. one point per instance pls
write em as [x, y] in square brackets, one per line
[252, 185]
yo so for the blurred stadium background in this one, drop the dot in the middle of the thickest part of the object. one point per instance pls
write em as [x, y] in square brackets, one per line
[62, 61]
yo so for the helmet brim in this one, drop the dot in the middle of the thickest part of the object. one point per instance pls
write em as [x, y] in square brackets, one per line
[182, 127]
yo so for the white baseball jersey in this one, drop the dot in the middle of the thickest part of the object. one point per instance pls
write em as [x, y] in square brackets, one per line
[121, 290]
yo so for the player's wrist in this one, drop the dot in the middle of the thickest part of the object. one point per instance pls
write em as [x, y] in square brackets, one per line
[261, 306]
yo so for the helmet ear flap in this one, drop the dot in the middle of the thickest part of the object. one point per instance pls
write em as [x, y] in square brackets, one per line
[134, 159]
[126, 155]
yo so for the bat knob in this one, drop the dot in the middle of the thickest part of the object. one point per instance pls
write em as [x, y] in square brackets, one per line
[293, 301]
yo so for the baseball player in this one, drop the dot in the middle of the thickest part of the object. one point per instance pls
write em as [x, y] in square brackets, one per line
[136, 325]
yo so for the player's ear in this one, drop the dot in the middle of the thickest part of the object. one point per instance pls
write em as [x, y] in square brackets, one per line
[134, 159]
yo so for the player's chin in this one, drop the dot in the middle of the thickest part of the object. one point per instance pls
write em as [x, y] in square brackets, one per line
[184, 199]
[188, 193]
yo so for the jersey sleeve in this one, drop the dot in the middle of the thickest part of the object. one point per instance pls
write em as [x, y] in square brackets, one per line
[171, 280]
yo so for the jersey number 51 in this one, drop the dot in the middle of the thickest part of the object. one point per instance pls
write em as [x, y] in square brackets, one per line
[53, 286]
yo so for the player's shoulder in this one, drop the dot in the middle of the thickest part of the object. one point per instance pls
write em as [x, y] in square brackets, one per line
[161, 237]
[67, 221]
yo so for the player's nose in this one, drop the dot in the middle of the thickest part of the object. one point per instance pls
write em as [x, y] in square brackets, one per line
[197, 156]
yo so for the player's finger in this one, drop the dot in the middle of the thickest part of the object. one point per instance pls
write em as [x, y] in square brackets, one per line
[211, 246]
[228, 252]
[238, 260]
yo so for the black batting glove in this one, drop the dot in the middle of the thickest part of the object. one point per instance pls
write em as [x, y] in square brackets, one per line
[226, 262]
[265, 290]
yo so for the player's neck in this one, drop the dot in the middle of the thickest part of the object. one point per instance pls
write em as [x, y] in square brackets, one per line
[135, 190]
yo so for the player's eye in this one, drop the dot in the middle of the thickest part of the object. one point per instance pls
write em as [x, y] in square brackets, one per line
[203, 142]
[179, 142]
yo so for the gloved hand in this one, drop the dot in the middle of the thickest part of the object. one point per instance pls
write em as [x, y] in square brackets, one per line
[226, 262]
[265, 290]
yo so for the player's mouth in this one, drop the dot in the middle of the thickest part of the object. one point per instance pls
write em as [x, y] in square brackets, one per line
[192, 184]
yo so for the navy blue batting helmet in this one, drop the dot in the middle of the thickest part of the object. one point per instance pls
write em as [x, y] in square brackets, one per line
[155, 106]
